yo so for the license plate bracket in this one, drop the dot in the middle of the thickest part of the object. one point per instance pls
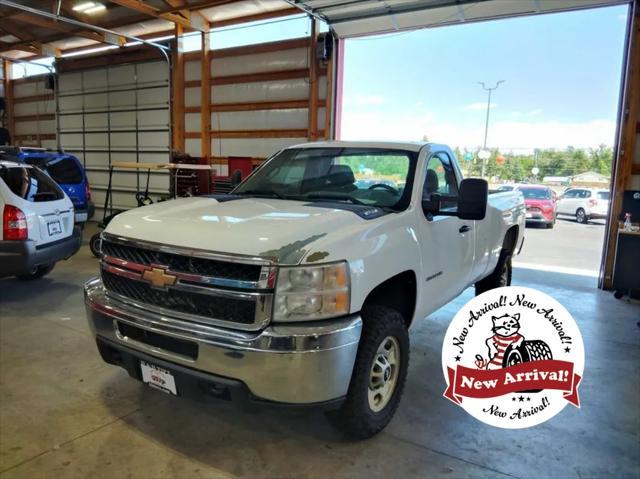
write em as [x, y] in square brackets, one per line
[54, 228]
[158, 378]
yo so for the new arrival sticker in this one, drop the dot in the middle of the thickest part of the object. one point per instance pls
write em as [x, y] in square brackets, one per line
[513, 357]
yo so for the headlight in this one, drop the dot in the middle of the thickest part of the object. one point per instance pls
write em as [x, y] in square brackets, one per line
[312, 292]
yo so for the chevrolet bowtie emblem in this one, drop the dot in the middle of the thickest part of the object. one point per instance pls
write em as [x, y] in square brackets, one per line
[158, 277]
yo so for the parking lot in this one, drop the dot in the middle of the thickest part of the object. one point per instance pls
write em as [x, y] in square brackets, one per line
[569, 247]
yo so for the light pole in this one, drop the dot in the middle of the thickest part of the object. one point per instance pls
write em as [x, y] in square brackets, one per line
[486, 123]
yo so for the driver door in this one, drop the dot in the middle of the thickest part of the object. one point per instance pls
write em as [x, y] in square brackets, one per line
[447, 242]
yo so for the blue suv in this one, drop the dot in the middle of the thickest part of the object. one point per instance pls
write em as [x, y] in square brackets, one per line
[64, 169]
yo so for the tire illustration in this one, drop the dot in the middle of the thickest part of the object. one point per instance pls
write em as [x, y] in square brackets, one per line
[535, 350]
[94, 245]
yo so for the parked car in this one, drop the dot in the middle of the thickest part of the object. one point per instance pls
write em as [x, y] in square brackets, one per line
[291, 288]
[584, 204]
[540, 203]
[37, 222]
[65, 169]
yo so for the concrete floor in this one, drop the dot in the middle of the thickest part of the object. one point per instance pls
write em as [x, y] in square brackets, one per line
[63, 413]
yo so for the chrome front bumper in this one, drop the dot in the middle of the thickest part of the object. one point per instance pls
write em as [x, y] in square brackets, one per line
[289, 363]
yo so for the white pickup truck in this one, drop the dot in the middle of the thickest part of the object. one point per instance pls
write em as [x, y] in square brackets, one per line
[300, 286]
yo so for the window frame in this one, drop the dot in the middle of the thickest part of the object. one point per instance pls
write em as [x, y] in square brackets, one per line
[446, 163]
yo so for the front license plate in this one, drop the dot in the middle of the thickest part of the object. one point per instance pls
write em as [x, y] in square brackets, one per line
[81, 217]
[54, 228]
[158, 378]
[529, 215]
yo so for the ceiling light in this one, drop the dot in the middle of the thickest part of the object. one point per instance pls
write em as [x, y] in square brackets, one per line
[81, 7]
[98, 8]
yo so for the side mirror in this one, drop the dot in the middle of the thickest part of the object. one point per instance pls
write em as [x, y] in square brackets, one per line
[472, 200]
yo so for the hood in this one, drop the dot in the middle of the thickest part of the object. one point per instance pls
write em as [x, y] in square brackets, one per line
[279, 229]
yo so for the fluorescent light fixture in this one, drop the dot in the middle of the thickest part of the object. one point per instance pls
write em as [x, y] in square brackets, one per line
[81, 7]
[98, 8]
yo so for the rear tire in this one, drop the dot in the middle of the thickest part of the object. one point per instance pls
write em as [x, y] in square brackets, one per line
[37, 273]
[500, 277]
[378, 375]
[94, 245]
[581, 216]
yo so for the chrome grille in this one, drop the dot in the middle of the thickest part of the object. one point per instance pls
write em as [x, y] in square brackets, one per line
[224, 309]
[187, 264]
[190, 284]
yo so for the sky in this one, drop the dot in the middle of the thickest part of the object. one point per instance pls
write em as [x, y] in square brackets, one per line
[561, 71]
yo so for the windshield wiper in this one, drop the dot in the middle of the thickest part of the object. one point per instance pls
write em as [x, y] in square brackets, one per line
[336, 197]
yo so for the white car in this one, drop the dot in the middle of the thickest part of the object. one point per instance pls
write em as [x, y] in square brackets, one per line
[37, 222]
[300, 286]
[584, 204]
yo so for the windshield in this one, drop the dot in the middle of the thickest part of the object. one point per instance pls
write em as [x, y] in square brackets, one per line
[505, 188]
[535, 193]
[367, 176]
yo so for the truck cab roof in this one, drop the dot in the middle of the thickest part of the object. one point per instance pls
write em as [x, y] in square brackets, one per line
[414, 146]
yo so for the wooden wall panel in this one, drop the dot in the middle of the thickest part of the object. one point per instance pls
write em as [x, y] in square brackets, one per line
[261, 98]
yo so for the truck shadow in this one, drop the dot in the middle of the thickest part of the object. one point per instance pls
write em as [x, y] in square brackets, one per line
[241, 440]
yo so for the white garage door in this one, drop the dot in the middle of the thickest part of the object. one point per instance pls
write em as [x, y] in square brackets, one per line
[117, 113]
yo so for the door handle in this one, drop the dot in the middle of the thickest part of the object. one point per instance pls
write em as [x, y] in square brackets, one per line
[464, 228]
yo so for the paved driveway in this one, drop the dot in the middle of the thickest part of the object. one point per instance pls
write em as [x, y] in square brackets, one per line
[569, 247]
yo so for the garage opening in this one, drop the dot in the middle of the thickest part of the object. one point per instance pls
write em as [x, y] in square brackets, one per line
[524, 105]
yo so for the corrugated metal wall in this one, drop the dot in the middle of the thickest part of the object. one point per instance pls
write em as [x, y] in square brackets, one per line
[117, 113]
[34, 112]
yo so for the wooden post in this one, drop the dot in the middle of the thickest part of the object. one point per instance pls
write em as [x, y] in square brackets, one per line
[626, 145]
[338, 89]
[8, 95]
[177, 82]
[313, 83]
[328, 101]
[205, 96]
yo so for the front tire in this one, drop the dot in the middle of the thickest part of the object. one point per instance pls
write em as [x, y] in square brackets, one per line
[581, 216]
[37, 273]
[500, 277]
[378, 375]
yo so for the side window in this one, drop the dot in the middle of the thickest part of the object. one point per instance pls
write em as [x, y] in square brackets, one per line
[441, 179]
[585, 194]
[570, 194]
[30, 184]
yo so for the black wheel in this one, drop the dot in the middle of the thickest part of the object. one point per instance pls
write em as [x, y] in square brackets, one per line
[535, 350]
[618, 294]
[378, 375]
[500, 277]
[581, 216]
[38, 272]
[94, 245]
